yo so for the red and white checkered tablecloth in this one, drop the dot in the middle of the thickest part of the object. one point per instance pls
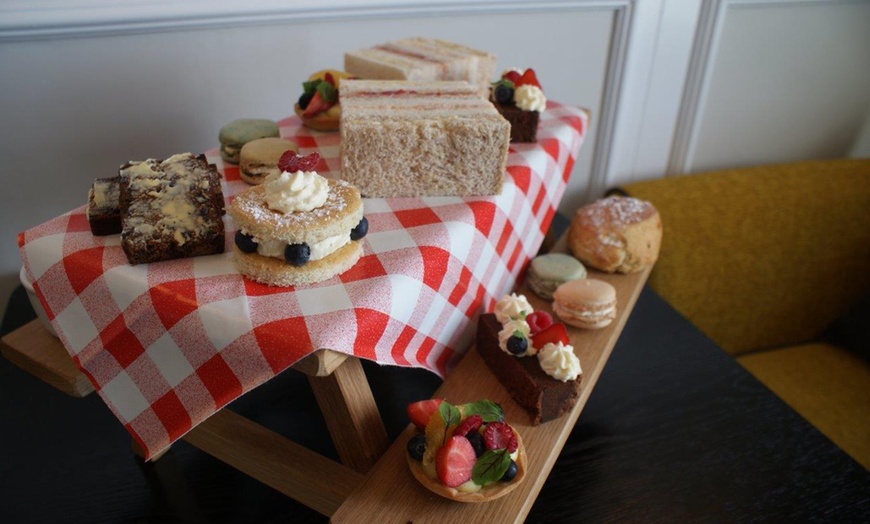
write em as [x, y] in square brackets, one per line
[169, 344]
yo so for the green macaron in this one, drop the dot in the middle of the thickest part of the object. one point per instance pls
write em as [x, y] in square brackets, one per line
[547, 272]
[239, 132]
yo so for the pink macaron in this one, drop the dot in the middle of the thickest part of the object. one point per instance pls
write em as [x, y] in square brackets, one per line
[585, 303]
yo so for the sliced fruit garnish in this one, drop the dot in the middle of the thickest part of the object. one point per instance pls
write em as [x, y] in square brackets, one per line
[553, 334]
[292, 162]
[468, 425]
[499, 435]
[511, 76]
[317, 104]
[454, 462]
[528, 78]
[420, 412]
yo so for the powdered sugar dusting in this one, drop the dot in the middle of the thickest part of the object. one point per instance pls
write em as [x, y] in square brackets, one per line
[616, 211]
[251, 203]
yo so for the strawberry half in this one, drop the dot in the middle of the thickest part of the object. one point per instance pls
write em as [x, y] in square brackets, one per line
[528, 78]
[316, 106]
[553, 334]
[419, 412]
[454, 462]
[512, 76]
[291, 162]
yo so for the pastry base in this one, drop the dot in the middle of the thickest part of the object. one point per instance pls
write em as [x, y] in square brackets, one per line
[489, 492]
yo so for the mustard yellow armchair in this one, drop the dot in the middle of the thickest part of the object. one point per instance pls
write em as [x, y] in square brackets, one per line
[763, 260]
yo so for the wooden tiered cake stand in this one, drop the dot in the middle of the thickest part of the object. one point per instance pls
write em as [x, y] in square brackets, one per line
[372, 483]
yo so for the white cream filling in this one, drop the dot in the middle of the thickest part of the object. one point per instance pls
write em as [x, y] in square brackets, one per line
[593, 313]
[327, 246]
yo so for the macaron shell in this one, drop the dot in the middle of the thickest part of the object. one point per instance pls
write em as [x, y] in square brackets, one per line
[547, 272]
[239, 132]
[586, 303]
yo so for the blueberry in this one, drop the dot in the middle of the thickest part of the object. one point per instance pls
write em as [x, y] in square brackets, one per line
[305, 99]
[511, 472]
[245, 242]
[360, 230]
[477, 443]
[297, 254]
[417, 446]
[517, 345]
[503, 94]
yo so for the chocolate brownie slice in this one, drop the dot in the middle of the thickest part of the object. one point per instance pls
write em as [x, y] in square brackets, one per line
[544, 397]
[104, 208]
[524, 124]
[171, 209]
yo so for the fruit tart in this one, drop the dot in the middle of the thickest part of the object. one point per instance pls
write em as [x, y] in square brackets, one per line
[466, 453]
[318, 106]
[519, 98]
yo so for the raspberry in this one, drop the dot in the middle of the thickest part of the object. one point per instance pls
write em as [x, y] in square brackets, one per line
[291, 162]
[512, 76]
[499, 435]
[468, 425]
[539, 321]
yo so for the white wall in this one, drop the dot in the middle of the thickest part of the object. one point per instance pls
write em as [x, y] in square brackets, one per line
[89, 84]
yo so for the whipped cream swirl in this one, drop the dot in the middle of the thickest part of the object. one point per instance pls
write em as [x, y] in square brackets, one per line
[559, 361]
[512, 307]
[292, 192]
[530, 98]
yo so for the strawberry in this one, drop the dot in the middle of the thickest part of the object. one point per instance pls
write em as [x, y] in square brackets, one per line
[511, 75]
[555, 333]
[454, 462]
[420, 412]
[329, 79]
[468, 425]
[317, 105]
[539, 321]
[499, 435]
[528, 78]
[291, 162]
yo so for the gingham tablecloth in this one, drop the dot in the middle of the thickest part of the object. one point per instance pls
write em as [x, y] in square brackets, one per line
[168, 344]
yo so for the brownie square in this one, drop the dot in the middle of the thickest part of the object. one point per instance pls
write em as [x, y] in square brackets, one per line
[524, 124]
[104, 210]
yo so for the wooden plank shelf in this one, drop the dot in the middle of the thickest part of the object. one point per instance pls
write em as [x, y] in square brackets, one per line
[391, 494]
[388, 492]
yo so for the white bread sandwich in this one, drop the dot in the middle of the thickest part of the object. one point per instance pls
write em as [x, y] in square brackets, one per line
[298, 227]
[411, 139]
[423, 59]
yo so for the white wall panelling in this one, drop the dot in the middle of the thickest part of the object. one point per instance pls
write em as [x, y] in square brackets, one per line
[98, 83]
[775, 81]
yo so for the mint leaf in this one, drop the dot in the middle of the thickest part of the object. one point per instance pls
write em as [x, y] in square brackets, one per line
[488, 410]
[311, 86]
[491, 466]
[449, 414]
[327, 92]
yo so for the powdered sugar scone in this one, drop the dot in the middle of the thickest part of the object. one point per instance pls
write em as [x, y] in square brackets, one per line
[616, 234]
[298, 227]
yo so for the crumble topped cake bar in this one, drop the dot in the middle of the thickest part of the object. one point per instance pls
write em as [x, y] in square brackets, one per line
[171, 209]
[104, 206]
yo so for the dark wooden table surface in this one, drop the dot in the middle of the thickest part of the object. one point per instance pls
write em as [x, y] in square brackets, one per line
[675, 431]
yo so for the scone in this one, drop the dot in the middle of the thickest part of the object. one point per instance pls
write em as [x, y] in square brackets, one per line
[465, 453]
[259, 158]
[298, 227]
[616, 234]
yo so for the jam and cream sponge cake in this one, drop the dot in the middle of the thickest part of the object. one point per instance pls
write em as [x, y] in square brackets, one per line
[423, 59]
[411, 139]
[298, 227]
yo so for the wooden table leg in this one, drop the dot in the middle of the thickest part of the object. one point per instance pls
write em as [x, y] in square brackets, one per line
[351, 415]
